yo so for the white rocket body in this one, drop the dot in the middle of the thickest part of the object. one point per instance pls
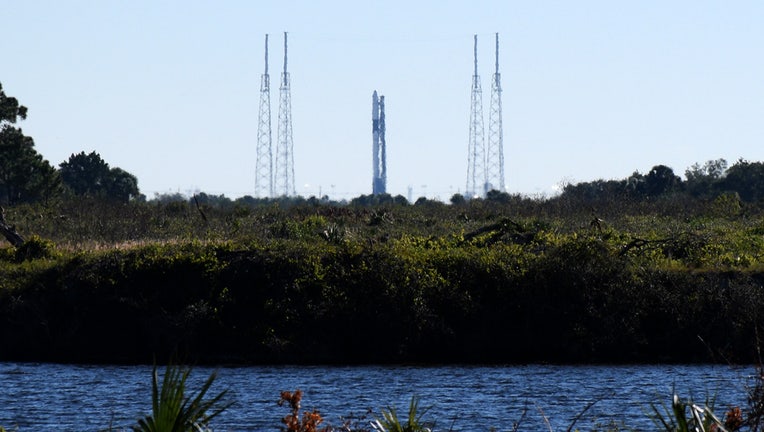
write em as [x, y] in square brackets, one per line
[377, 183]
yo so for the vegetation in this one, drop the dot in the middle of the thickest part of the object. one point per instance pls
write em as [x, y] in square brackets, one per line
[686, 416]
[175, 411]
[88, 174]
[414, 423]
[293, 422]
[502, 279]
[25, 177]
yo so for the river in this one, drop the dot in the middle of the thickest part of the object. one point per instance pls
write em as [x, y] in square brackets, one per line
[52, 397]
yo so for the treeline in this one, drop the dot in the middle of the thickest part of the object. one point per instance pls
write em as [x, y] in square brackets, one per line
[27, 178]
[712, 187]
[501, 279]
[744, 178]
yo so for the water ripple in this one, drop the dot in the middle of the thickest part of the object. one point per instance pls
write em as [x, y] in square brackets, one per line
[48, 397]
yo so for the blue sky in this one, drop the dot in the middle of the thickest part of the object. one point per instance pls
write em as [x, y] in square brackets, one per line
[169, 90]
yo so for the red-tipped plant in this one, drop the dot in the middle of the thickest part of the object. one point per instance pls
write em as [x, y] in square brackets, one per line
[309, 421]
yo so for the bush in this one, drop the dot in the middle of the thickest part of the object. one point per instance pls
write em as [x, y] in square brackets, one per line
[36, 247]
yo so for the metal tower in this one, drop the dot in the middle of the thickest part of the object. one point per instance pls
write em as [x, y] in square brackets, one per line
[379, 156]
[284, 174]
[495, 149]
[476, 174]
[264, 164]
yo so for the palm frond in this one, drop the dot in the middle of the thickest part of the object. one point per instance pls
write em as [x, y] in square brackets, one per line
[173, 411]
[686, 417]
[414, 423]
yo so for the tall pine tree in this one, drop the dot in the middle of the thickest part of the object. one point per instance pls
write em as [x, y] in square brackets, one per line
[24, 175]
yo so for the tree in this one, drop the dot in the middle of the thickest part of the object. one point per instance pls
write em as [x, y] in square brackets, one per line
[702, 180]
[10, 110]
[746, 178]
[85, 174]
[24, 175]
[497, 196]
[400, 200]
[123, 186]
[596, 190]
[89, 175]
[635, 184]
[661, 179]
[378, 199]
[219, 201]
[458, 199]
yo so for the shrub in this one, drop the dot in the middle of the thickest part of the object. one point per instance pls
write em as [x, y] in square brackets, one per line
[36, 247]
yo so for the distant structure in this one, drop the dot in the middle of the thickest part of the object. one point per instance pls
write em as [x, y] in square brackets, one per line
[283, 178]
[264, 164]
[476, 173]
[379, 156]
[495, 149]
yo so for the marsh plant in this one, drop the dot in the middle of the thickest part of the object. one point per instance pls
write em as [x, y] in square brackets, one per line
[173, 410]
[294, 422]
[687, 416]
[414, 423]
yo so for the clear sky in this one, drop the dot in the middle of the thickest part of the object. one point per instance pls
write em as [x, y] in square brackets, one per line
[593, 89]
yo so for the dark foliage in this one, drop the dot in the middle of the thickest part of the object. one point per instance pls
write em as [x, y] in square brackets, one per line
[89, 175]
[416, 300]
[24, 175]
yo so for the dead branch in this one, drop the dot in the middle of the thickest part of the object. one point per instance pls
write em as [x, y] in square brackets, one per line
[199, 208]
[9, 231]
[495, 231]
[677, 242]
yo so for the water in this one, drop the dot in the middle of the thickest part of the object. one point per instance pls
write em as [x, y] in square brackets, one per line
[49, 397]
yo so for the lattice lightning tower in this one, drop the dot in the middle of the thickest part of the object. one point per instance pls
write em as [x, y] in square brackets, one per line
[264, 164]
[476, 174]
[284, 175]
[495, 149]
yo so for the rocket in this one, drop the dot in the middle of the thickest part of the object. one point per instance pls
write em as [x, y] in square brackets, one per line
[375, 114]
[378, 146]
[375, 133]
